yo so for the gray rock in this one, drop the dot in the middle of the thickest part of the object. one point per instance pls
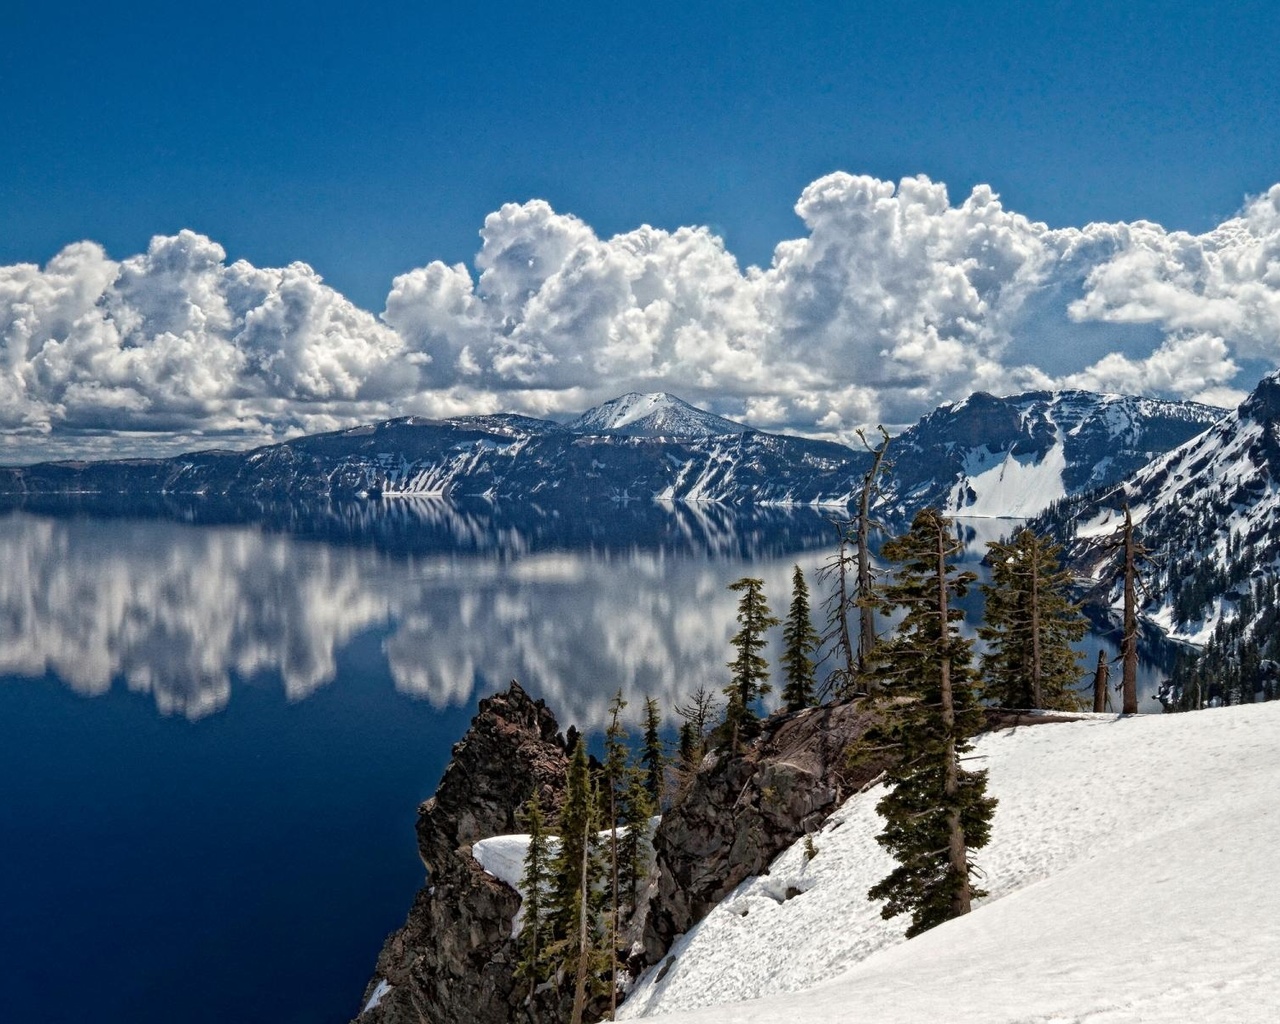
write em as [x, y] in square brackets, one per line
[454, 958]
[739, 812]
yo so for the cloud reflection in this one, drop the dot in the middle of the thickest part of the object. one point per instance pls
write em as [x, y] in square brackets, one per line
[185, 613]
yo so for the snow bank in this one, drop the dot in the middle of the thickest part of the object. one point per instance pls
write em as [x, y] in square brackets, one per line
[1131, 879]
[503, 857]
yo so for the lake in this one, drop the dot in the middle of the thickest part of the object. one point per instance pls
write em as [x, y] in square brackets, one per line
[216, 724]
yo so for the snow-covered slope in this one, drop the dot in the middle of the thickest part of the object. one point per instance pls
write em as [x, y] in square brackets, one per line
[1210, 513]
[989, 456]
[654, 415]
[1131, 872]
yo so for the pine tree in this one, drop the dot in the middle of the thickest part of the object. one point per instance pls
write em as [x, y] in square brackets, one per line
[574, 872]
[1129, 644]
[800, 640]
[935, 810]
[750, 670]
[616, 783]
[636, 810]
[534, 966]
[652, 754]
[1030, 626]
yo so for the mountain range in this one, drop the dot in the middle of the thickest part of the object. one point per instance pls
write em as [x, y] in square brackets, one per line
[986, 456]
[1209, 514]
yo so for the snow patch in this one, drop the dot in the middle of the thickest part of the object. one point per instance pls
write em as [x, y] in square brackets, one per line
[375, 998]
[1008, 485]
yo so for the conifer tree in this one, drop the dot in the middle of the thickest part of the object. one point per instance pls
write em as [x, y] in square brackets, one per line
[1030, 626]
[935, 810]
[652, 754]
[616, 783]
[750, 670]
[1129, 644]
[637, 809]
[800, 640]
[574, 873]
[534, 966]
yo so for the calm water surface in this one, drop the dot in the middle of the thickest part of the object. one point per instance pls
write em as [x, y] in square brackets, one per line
[214, 737]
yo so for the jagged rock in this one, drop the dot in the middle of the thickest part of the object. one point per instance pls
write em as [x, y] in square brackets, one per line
[739, 812]
[453, 959]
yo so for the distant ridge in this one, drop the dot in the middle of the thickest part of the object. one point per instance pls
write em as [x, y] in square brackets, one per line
[985, 457]
[1209, 510]
[654, 415]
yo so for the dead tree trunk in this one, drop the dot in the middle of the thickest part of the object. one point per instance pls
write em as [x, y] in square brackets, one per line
[1129, 643]
[1101, 677]
[866, 582]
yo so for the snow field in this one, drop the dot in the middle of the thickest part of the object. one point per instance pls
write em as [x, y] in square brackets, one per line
[1130, 878]
[1009, 486]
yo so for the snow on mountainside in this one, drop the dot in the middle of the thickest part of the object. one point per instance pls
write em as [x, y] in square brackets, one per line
[1128, 883]
[983, 457]
[654, 415]
[1210, 513]
[994, 457]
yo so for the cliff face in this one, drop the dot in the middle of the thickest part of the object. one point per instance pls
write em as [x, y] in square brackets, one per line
[453, 958]
[739, 812]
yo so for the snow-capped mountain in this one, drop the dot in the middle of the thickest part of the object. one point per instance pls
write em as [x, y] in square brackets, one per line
[654, 415]
[498, 458]
[989, 456]
[1209, 511]
[983, 457]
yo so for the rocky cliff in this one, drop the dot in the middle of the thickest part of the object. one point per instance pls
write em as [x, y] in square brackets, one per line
[453, 959]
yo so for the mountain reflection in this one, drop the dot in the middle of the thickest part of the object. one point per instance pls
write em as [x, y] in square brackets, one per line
[572, 607]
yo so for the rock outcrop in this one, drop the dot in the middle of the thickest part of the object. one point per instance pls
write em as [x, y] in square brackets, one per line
[739, 812]
[453, 959]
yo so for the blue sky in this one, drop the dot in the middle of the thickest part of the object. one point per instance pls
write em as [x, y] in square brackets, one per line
[369, 140]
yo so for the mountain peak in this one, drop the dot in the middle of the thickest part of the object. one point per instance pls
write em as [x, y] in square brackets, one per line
[653, 415]
[1263, 404]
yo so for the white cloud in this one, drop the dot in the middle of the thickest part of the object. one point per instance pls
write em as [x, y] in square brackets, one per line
[1185, 365]
[892, 301]
[177, 340]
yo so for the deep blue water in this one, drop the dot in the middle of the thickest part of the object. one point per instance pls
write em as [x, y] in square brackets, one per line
[214, 738]
[238, 868]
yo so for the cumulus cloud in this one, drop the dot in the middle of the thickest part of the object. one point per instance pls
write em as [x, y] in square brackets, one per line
[176, 339]
[893, 300]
